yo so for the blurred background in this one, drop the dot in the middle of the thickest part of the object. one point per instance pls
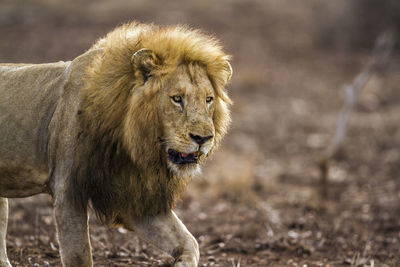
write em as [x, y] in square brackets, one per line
[261, 200]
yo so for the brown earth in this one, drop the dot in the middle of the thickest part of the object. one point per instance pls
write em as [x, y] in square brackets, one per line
[257, 202]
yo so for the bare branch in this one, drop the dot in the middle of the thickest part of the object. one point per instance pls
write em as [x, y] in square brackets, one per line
[383, 48]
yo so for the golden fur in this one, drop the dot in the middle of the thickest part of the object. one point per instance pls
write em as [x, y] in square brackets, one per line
[122, 126]
[121, 129]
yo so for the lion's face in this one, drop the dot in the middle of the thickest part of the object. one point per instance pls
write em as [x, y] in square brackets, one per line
[186, 108]
[183, 112]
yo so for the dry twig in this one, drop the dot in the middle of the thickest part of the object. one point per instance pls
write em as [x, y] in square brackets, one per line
[383, 48]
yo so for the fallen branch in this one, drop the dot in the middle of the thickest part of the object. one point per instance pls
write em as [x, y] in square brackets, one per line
[383, 48]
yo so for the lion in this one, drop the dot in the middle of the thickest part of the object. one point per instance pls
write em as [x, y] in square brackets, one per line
[120, 129]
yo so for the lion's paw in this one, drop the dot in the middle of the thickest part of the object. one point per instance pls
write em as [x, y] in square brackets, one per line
[5, 263]
[186, 262]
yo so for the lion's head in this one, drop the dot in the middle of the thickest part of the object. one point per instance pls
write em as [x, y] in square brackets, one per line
[188, 111]
[169, 90]
[158, 96]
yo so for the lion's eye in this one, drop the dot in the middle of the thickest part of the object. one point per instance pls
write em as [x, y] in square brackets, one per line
[177, 99]
[209, 99]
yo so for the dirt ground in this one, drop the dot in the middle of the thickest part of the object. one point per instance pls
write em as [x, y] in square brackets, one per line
[258, 201]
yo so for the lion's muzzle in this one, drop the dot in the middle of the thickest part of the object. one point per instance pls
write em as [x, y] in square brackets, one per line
[200, 139]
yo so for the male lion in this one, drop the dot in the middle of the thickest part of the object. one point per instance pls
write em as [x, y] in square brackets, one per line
[122, 126]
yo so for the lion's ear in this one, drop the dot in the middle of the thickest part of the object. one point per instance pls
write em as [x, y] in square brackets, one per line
[145, 60]
[230, 71]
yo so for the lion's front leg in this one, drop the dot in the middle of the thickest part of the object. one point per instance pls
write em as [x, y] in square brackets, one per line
[72, 233]
[3, 231]
[169, 234]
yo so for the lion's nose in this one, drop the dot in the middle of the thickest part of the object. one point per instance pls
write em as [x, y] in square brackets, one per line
[200, 139]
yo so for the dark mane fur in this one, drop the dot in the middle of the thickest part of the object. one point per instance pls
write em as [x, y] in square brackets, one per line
[119, 166]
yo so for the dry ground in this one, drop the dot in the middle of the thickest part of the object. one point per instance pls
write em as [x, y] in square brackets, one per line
[257, 202]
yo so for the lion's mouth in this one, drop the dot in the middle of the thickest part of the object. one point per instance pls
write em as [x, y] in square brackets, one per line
[183, 158]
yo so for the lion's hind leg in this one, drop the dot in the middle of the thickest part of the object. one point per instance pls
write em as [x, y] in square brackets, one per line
[3, 232]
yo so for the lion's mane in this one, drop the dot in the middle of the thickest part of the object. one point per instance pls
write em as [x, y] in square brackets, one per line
[119, 165]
